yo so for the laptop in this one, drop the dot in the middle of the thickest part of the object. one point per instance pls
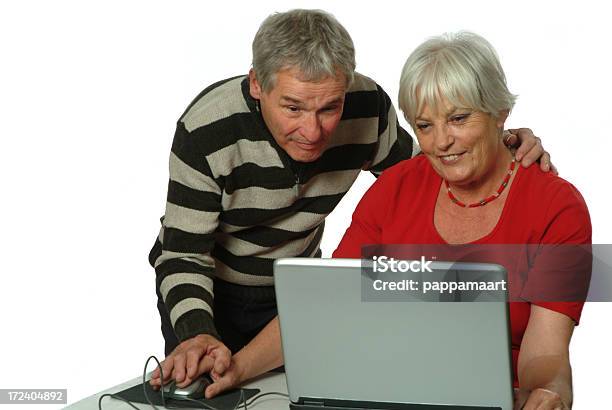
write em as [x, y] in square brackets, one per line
[343, 350]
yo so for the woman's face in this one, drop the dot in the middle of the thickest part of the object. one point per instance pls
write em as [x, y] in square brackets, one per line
[461, 144]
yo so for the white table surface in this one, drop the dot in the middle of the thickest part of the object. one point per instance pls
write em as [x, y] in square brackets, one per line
[269, 382]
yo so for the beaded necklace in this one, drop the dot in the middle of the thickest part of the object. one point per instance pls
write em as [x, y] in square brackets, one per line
[484, 201]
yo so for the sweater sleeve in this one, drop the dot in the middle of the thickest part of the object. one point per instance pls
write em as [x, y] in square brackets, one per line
[366, 227]
[183, 264]
[394, 143]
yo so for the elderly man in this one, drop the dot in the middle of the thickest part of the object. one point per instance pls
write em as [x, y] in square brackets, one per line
[257, 163]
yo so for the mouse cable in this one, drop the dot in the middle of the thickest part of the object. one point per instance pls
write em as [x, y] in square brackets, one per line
[144, 390]
[114, 396]
[258, 396]
[241, 402]
[161, 377]
[209, 407]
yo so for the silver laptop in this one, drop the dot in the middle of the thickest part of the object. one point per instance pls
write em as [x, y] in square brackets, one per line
[344, 353]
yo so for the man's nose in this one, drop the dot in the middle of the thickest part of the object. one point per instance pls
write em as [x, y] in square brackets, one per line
[443, 137]
[311, 127]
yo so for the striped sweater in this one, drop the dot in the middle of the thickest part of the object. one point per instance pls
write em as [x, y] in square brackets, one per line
[237, 201]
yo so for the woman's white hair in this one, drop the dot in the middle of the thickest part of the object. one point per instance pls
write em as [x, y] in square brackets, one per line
[461, 67]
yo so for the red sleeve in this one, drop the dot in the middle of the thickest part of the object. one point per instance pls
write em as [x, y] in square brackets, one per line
[367, 222]
[562, 265]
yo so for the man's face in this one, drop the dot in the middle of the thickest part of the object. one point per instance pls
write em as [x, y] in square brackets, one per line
[301, 115]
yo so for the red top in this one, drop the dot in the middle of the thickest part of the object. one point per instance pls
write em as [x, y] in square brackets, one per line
[541, 208]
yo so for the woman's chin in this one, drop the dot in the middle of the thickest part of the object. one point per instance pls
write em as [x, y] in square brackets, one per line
[454, 175]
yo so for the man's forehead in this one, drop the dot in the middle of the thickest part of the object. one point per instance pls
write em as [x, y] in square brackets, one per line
[294, 91]
[301, 98]
[293, 78]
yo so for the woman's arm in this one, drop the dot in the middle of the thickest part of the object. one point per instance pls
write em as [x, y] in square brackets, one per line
[544, 371]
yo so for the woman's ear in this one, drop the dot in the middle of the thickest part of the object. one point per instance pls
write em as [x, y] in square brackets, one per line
[501, 119]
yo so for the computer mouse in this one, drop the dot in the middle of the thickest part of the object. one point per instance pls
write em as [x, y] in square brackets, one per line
[194, 391]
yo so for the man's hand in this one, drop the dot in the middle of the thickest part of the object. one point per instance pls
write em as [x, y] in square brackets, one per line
[540, 399]
[529, 149]
[191, 358]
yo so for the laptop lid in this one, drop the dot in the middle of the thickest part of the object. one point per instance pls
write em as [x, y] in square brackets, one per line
[342, 352]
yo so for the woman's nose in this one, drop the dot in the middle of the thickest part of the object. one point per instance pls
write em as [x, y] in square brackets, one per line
[443, 137]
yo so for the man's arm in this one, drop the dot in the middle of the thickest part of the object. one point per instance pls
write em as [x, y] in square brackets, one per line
[184, 268]
[529, 149]
[394, 143]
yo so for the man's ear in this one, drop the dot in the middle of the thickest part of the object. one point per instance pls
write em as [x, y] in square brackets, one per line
[254, 87]
[501, 119]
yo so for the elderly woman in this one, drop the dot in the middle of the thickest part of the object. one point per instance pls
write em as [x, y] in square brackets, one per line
[466, 189]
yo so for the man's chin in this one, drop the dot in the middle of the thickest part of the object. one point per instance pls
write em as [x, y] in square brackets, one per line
[305, 156]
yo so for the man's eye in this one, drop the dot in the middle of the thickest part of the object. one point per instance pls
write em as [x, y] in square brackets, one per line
[293, 108]
[331, 108]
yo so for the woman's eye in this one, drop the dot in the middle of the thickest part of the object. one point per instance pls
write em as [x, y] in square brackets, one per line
[422, 126]
[459, 118]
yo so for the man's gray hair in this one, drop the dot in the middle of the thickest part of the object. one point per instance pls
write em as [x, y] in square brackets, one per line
[462, 67]
[311, 40]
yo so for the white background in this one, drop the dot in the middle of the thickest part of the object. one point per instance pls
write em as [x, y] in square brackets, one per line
[89, 96]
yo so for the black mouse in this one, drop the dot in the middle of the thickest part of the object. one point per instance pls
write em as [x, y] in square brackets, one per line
[194, 391]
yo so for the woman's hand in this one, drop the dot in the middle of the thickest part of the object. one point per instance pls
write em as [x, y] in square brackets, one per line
[260, 355]
[540, 399]
[233, 377]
